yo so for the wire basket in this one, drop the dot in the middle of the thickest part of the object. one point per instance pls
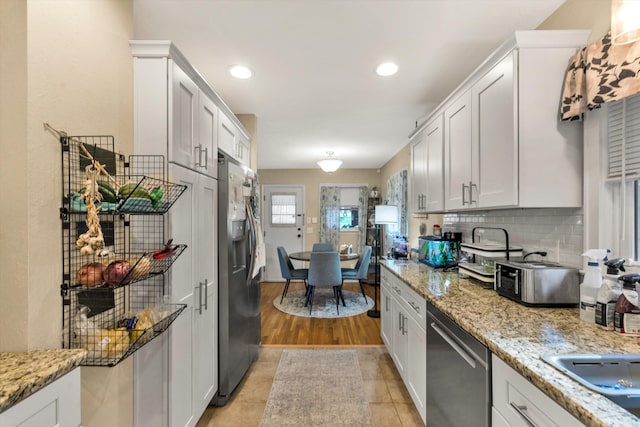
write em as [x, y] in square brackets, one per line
[114, 297]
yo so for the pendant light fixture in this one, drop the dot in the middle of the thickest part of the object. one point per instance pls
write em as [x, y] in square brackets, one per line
[625, 21]
[330, 164]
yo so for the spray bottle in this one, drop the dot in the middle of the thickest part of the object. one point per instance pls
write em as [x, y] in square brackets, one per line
[627, 311]
[591, 284]
[608, 294]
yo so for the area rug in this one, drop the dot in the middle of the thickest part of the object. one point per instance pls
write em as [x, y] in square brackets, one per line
[324, 304]
[317, 388]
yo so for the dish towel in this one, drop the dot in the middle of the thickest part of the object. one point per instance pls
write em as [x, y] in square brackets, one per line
[260, 256]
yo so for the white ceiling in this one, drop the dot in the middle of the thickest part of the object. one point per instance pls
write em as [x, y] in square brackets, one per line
[314, 87]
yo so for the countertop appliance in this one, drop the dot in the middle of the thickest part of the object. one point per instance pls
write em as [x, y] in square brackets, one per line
[239, 290]
[439, 251]
[537, 283]
[458, 375]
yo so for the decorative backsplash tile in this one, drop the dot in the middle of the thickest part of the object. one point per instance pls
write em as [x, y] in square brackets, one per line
[557, 231]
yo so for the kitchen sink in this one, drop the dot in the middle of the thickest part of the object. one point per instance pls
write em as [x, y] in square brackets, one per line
[615, 376]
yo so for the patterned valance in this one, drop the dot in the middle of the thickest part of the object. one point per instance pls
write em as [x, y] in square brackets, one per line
[599, 73]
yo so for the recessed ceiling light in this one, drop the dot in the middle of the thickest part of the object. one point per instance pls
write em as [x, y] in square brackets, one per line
[387, 69]
[240, 72]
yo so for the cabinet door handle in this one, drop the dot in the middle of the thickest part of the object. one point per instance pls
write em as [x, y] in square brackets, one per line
[200, 297]
[404, 324]
[471, 185]
[399, 321]
[463, 199]
[206, 157]
[415, 306]
[198, 149]
[206, 298]
[522, 411]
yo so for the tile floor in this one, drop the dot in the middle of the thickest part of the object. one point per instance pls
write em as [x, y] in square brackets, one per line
[389, 401]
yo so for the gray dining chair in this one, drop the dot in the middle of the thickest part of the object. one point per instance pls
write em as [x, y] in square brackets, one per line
[324, 271]
[360, 271]
[288, 271]
[323, 247]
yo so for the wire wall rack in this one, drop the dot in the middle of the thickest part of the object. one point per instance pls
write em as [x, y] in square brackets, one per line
[115, 252]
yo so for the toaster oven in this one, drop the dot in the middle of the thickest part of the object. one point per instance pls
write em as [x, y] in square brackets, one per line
[537, 283]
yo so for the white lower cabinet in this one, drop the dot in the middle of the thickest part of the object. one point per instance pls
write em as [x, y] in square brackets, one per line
[386, 320]
[517, 402]
[403, 330]
[57, 404]
[193, 366]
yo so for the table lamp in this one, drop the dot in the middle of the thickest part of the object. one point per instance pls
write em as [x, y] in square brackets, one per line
[384, 214]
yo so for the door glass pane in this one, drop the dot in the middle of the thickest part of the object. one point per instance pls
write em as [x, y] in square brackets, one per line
[283, 209]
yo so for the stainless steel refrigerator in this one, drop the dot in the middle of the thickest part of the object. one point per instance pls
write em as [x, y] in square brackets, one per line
[239, 289]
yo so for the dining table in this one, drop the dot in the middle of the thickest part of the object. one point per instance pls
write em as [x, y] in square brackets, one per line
[306, 256]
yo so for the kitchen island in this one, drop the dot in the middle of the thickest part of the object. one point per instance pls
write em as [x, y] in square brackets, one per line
[519, 335]
[24, 373]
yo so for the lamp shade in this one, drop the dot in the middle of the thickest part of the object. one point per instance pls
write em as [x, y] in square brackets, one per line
[330, 164]
[625, 21]
[386, 214]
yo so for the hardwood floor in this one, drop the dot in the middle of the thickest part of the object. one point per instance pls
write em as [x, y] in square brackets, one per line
[281, 329]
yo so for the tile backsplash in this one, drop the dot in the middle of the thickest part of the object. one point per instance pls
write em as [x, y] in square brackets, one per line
[557, 231]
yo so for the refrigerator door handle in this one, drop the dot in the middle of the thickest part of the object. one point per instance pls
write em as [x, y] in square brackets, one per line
[252, 243]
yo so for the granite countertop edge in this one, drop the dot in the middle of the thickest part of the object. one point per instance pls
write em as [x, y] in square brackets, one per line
[519, 335]
[24, 373]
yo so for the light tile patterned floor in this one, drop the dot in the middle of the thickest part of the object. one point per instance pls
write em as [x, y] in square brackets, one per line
[389, 401]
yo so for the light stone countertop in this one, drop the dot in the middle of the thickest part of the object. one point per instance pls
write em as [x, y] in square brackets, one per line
[24, 373]
[519, 335]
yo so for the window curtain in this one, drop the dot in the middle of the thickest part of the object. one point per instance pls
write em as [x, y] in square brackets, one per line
[599, 73]
[397, 194]
[363, 200]
[330, 215]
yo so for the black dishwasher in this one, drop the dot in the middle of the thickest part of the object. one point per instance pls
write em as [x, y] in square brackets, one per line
[458, 375]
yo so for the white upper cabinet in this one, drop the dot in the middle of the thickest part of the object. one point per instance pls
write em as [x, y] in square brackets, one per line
[419, 173]
[502, 129]
[175, 106]
[494, 140]
[232, 141]
[427, 162]
[184, 108]
[457, 157]
[207, 148]
[194, 137]
[434, 135]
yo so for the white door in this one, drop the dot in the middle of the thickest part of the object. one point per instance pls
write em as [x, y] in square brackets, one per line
[283, 224]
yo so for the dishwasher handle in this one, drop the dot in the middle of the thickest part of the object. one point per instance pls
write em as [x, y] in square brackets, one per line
[461, 351]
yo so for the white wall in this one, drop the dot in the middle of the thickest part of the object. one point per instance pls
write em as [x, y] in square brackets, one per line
[68, 63]
[557, 231]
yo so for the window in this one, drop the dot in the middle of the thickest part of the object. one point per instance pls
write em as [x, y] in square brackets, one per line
[283, 209]
[623, 171]
[349, 217]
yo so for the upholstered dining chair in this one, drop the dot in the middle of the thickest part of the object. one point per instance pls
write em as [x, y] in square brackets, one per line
[360, 271]
[324, 271]
[288, 271]
[323, 247]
